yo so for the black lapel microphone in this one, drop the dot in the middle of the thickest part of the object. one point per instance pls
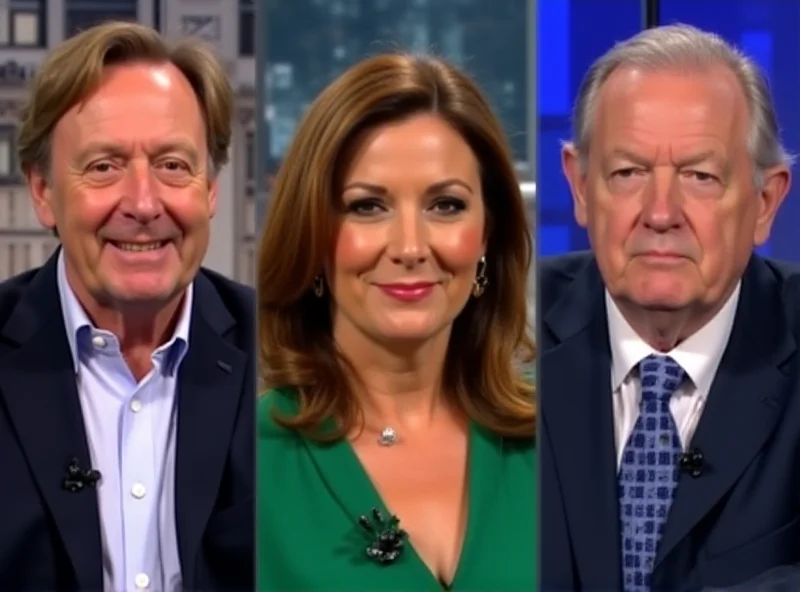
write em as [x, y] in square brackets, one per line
[387, 540]
[78, 479]
[692, 462]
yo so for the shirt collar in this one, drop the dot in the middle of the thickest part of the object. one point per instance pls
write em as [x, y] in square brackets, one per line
[699, 355]
[76, 320]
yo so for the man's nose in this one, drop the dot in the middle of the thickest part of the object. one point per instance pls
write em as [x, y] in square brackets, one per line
[662, 208]
[141, 199]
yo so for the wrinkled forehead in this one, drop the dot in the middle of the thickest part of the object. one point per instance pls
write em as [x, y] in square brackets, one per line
[672, 109]
[136, 101]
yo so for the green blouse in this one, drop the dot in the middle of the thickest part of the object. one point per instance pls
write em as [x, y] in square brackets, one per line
[310, 496]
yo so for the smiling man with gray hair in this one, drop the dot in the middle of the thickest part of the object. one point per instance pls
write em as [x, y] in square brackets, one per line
[670, 376]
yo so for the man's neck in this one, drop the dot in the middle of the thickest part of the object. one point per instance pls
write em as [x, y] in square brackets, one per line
[663, 330]
[140, 330]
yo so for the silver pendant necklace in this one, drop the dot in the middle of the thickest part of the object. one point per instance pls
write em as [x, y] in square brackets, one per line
[388, 437]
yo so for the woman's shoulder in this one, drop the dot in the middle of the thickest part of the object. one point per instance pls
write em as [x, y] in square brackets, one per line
[282, 401]
[522, 453]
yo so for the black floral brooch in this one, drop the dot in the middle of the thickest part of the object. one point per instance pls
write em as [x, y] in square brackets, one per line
[387, 539]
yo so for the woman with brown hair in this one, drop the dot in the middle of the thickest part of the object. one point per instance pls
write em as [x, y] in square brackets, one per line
[396, 436]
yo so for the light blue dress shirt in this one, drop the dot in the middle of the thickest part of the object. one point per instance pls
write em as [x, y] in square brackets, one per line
[131, 432]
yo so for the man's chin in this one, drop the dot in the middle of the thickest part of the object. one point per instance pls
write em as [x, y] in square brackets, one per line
[155, 295]
[662, 303]
[662, 292]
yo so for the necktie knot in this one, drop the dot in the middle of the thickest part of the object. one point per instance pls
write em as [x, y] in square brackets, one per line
[660, 377]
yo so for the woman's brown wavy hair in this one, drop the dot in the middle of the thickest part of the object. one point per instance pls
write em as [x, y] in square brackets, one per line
[490, 345]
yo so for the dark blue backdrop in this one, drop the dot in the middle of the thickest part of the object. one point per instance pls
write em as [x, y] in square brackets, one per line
[573, 33]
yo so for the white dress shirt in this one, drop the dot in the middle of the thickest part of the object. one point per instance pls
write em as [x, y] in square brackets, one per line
[131, 432]
[699, 356]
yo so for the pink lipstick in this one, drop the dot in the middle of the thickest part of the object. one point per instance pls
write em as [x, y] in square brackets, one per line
[408, 292]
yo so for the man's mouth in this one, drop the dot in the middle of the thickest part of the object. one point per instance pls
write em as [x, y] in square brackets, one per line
[139, 247]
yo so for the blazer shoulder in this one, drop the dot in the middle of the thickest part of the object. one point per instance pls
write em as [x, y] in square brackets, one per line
[564, 266]
[784, 284]
[239, 299]
[12, 291]
[555, 274]
[785, 273]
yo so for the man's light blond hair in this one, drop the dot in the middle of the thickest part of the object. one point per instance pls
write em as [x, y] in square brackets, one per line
[74, 70]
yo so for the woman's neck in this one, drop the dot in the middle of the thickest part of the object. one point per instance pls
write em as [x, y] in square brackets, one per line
[398, 384]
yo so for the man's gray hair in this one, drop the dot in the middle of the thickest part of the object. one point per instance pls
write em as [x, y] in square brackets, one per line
[685, 47]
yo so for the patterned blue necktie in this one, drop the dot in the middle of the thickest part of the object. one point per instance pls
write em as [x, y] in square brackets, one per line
[648, 475]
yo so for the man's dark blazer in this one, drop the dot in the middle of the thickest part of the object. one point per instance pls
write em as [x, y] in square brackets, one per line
[740, 517]
[50, 537]
[785, 578]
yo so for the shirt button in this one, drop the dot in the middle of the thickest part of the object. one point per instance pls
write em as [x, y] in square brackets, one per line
[136, 405]
[99, 341]
[664, 439]
[138, 490]
[141, 580]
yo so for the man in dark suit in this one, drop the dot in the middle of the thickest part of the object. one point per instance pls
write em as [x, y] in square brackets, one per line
[126, 371]
[670, 377]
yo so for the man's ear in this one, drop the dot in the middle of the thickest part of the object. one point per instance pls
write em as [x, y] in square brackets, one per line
[573, 171]
[777, 181]
[213, 187]
[42, 196]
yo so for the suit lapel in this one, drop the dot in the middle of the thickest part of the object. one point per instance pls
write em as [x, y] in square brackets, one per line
[37, 383]
[577, 410]
[211, 385]
[744, 405]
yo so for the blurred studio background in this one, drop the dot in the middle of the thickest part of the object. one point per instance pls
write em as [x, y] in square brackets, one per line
[308, 43]
[280, 55]
[573, 33]
[29, 27]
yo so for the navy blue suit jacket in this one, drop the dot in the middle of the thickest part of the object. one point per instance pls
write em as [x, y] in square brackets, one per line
[50, 537]
[741, 516]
